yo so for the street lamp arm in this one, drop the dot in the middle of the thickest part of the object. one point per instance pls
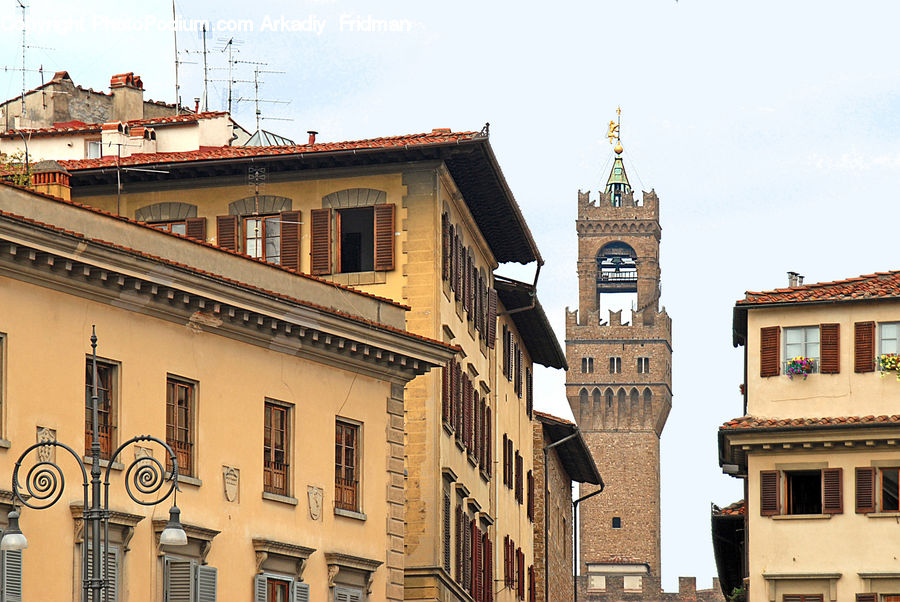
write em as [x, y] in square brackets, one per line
[45, 480]
[146, 475]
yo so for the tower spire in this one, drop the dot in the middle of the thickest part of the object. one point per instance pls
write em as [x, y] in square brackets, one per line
[617, 184]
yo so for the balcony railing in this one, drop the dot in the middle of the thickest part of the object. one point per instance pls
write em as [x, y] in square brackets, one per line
[275, 478]
[345, 494]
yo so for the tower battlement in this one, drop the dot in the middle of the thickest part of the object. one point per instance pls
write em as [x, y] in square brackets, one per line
[604, 207]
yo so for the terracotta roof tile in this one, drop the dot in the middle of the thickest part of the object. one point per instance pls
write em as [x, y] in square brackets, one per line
[232, 152]
[880, 285]
[738, 508]
[554, 418]
[761, 424]
[79, 127]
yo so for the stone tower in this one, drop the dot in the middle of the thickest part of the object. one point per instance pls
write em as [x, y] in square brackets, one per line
[619, 384]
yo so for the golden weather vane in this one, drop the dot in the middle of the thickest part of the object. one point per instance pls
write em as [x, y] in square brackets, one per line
[613, 133]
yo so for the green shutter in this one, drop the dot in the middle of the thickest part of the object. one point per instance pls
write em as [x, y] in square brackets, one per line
[301, 592]
[178, 580]
[206, 578]
[260, 582]
[12, 576]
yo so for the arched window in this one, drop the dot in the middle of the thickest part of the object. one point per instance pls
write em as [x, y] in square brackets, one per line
[648, 396]
[616, 268]
[634, 396]
[609, 398]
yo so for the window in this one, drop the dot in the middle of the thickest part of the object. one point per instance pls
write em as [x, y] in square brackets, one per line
[177, 227]
[179, 423]
[587, 365]
[270, 587]
[93, 149]
[188, 581]
[347, 594]
[804, 492]
[615, 365]
[814, 491]
[617, 522]
[262, 237]
[356, 239]
[2, 380]
[346, 466]
[275, 448]
[106, 403]
[643, 365]
[276, 580]
[877, 489]
[111, 573]
[802, 598]
[888, 336]
[802, 341]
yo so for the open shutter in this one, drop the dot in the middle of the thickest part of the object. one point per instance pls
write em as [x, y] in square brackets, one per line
[832, 491]
[489, 568]
[301, 592]
[227, 232]
[196, 228]
[445, 246]
[12, 575]
[207, 581]
[447, 532]
[445, 393]
[459, 543]
[768, 351]
[384, 237]
[830, 336]
[178, 581]
[529, 392]
[870, 597]
[290, 240]
[768, 492]
[320, 241]
[110, 570]
[260, 586]
[476, 562]
[492, 318]
[865, 489]
[488, 442]
[454, 265]
[864, 346]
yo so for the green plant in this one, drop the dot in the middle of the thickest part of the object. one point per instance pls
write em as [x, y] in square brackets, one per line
[799, 365]
[13, 169]
[737, 595]
[889, 362]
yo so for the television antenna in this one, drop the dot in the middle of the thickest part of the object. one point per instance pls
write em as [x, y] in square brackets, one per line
[23, 69]
[256, 99]
[229, 47]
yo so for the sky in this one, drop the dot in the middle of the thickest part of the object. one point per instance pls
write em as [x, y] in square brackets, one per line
[768, 129]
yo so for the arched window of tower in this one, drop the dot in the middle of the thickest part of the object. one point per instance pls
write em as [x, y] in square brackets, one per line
[617, 278]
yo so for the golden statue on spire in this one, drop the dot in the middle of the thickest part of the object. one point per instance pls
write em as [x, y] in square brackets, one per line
[613, 133]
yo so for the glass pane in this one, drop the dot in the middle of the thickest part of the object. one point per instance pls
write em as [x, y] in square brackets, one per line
[793, 335]
[812, 334]
[180, 228]
[889, 331]
[890, 489]
[792, 350]
[812, 350]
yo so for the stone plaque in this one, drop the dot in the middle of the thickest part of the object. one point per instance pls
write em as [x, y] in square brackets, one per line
[142, 452]
[46, 453]
[315, 495]
[231, 478]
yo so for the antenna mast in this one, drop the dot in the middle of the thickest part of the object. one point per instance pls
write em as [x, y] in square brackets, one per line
[24, 46]
[175, 36]
[205, 75]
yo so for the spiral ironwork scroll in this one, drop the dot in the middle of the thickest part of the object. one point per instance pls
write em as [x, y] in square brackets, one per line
[146, 476]
[44, 482]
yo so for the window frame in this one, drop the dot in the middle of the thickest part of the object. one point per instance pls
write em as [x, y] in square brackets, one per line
[112, 411]
[168, 225]
[615, 364]
[263, 238]
[356, 485]
[190, 428]
[3, 353]
[270, 472]
[816, 328]
[881, 325]
[88, 143]
[643, 365]
[339, 232]
[879, 492]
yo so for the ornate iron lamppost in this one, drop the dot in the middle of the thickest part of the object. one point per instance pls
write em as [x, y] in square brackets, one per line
[44, 484]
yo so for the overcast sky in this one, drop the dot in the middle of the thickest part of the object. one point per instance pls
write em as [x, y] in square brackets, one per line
[768, 129]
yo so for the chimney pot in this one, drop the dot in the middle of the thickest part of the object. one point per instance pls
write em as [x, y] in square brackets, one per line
[312, 136]
[196, 104]
[794, 279]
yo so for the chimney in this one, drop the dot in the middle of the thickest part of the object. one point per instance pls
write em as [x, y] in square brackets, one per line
[49, 177]
[196, 104]
[312, 136]
[794, 279]
[127, 91]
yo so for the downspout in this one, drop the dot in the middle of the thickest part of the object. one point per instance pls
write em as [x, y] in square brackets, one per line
[547, 448]
[575, 558]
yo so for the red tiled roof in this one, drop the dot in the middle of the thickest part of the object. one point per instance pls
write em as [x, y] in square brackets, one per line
[78, 127]
[762, 424]
[738, 508]
[880, 285]
[553, 418]
[232, 152]
[617, 559]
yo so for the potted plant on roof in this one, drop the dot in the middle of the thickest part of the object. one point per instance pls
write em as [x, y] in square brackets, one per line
[797, 366]
[889, 362]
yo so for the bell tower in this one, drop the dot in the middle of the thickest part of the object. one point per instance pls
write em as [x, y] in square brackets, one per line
[619, 382]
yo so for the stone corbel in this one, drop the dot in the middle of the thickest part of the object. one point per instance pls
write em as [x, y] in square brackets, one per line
[337, 561]
[200, 536]
[261, 557]
[266, 548]
[121, 522]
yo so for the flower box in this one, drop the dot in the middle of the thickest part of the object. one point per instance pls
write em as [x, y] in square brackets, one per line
[800, 366]
[889, 362]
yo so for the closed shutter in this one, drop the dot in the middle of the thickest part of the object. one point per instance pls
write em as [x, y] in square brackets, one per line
[865, 489]
[864, 347]
[467, 554]
[290, 240]
[489, 568]
[111, 572]
[466, 266]
[320, 241]
[792, 598]
[447, 532]
[529, 392]
[509, 447]
[384, 237]
[830, 336]
[768, 351]
[530, 506]
[178, 581]
[531, 592]
[260, 585]
[445, 246]
[476, 428]
[519, 371]
[506, 559]
[492, 318]
[459, 544]
[227, 232]
[195, 227]
[458, 401]
[347, 594]
[488, 442]
[512, 357]
[207, 582]
[12, 575]
[445, 393]
[520, 573]
[476, 562]
[832, 491]
[454, 261]
[768, 492]
[301, 592]
[871, 597]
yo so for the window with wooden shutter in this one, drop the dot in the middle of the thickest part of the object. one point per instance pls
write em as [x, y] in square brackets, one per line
[832, 491]
[276, 448]
[518, 386]
[506, 560]
[384, 237]
[865, 489]
[445, 246]
[529, 393]
[207, 583]
[467, 553]
[868, 597]
[179, 580]
[482, 433]
[505, 359]
[458, 402]
[347, 594]
[110, 572]
[447, 511]
[445, 393]
[11, 573]
[530, 505]
[830, 337]
[195, 227]
[768, 492]
[531, 592]
[520, 573]
[864, 347]
[290, 240]
[488, 442]
[467, 282]
[768, 351]
[227, 232]
[487, 562]
[301, 592]
[320, 241]
[476, 564]
[459, 543]
[466, 407]
[519, 479]
[504, 459]
[492, 318]
[346, 469]
[509, 447]
[459, 267]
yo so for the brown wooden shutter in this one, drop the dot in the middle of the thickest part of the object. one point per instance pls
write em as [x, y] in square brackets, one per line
[227, 232]
[870, 597]
[384, 237]
[830, 337]
[459, 543]
[492, 318]
[445, 246]
[529, 392]
[792, 598]
[290, 239]
[865, 489]
[488, 442]
[445, 392]
[530, 506]
[447, 531]
[488, 569]
[768, 492]
[459, 268]
[452, 258]
[196, 228]
[476, 561]
[864, 347]
[768, 351]
[832, 491]
[458, 401]
[320, 241]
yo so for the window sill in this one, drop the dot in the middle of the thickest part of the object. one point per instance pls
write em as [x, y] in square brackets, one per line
[472, 459]
[449, 429]
[187, 480]
[485, 476]
[277, 497]
[802, 516]
[349, 514]
[103, 463]
[460, 445]
[5, 443]
[883, 515]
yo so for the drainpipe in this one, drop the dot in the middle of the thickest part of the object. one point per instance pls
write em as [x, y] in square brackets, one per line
[575, 537]
[547, 449]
